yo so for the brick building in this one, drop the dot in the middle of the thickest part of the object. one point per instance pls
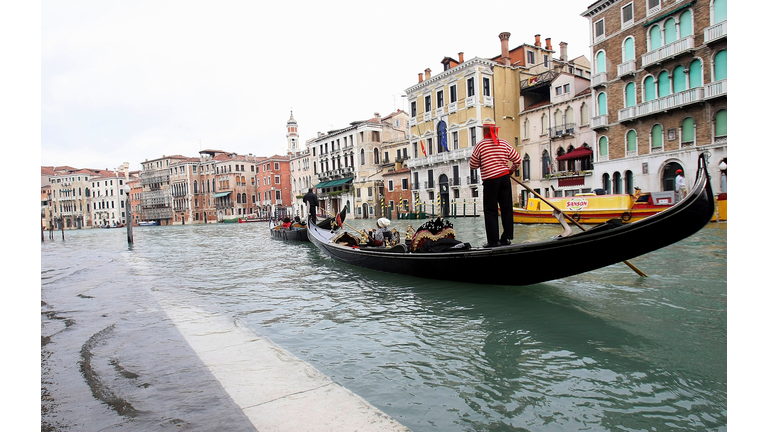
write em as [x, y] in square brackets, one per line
[659, 90]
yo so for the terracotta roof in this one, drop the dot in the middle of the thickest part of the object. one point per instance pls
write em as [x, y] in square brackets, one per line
[586, 91]
[400, 171]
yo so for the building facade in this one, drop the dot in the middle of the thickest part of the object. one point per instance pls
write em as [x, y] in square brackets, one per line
[659, 91]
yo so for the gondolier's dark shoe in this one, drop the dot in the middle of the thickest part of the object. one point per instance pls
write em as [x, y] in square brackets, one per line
[492, 245]
[504, 242]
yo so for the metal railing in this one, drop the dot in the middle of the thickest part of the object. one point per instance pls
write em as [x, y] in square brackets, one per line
[668, 51]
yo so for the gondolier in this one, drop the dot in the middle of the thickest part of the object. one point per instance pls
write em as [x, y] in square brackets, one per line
[311, 200]
[493, 156]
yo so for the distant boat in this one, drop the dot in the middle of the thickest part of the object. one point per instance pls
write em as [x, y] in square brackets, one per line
[252, 218]
[148, 223]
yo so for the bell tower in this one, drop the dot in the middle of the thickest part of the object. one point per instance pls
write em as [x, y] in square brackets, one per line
[292, 136]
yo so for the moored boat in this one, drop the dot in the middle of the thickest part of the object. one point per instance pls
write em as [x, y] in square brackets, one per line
[602, 245]
[252, 218]
[595, 209]
[148, 223]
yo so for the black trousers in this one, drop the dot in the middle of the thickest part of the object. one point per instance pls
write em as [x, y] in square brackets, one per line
[312, 215]
[497, 194]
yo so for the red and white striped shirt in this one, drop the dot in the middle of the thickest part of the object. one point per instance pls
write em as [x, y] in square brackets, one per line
[492, 158]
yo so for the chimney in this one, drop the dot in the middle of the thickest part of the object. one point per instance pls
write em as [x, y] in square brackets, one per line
[461, 57]
[548, 44]
[504, 37]
[563, 51]
[538, 41]
[427, 73]
[421, 77]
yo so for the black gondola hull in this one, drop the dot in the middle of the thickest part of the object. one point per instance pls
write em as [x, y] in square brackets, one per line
[530, 263]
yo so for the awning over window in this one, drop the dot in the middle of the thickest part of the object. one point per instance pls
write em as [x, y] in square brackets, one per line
[332, 183]
[576, 154]
[221, 194]
[572, 181]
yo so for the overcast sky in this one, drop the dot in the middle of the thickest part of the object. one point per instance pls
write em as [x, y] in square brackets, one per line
[125, 81]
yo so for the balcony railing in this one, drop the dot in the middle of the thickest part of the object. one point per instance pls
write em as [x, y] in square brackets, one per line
[416, 185]
[473, 180]
[716, 32]
[715, 89]
[444, 157]
[599, 79]
[600, 121]
[562, 130]
[454, 182]
[625, 68]
[668, 51]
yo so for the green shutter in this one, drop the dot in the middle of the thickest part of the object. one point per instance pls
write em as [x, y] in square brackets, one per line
[629, 95]
[695, 74]
[657, 136]
[670, 31]
[602, 104]
[721, 123]
[664, 85]
[686, 24]
[721, 65]
[678, 79]
[600, 60]
[655, 37]
[629, 49]
[721, 11]
[650, 89]
[603, 146]
[688, 129]
[632, 141]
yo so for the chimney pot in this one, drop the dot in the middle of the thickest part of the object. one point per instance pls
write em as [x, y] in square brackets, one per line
[538, 41]
[563, 51]
[548, 44]
[504, 37]
[421, 77]
[427, 73]
[461, 57]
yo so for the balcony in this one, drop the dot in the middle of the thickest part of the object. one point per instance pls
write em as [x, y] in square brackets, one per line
[472, 180]
[716, 32]
[626, 68]
[453, 107]
[562, 130]
[715, 89]
[444, 157]
[488, 101]
[599, 79]
[672, 101]
[668, 51]
[469, 101]
[454, 182]
[600, 121]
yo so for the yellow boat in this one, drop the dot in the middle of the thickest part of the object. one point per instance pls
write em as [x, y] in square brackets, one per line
[591, 208]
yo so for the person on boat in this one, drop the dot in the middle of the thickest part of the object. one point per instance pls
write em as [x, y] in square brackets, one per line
[681, 189]
[311, 200]
[382, 232]
[493, 156]
[287, 223]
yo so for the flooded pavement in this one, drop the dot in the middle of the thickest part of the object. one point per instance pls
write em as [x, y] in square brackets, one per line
[605, 350]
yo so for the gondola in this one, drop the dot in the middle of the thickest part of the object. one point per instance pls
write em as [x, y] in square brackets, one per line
[529, 263]
[298, 232]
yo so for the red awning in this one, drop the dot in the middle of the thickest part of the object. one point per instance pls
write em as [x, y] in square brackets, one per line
[576, 154]
[571, 181]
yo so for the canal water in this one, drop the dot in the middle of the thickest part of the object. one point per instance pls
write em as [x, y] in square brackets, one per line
[602, 351]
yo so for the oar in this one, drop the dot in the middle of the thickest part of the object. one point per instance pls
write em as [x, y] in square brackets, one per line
[557, 210]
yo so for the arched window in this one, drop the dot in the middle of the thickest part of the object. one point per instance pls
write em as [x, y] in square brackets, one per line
[665, 88]
[616, 182]
[569, 119]
[603, 146]
[600, 62]
[688, 130]
[721, 123]
[657, 137]
[670, 31]
[526, 129]
[686, 25]
[375, 156]
[558, 120]
[629, 181]
[544, 123]
[629, 95]
[678, 79]
[721, 65]
[526, 167]
[607, 182]
[628, 49]
[694, 74]
[632, 142]
[362, 157]
[654, 38]
[649, 89]
[602, 104]
[545, 164]
[720, 11]
[195, 186]
[584, 114]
